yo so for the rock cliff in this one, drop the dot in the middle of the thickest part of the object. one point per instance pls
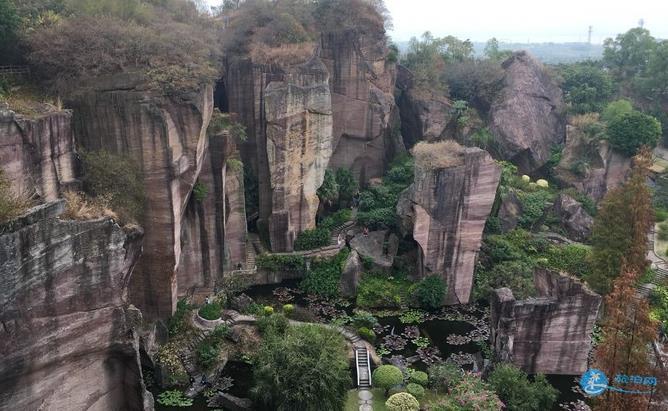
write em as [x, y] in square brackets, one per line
[591, 167]
[446, 209]
[37, 153]
[425, 116]
[66, 339]
[527, 119]
[166, 135]
[362, 88]
[550, 334]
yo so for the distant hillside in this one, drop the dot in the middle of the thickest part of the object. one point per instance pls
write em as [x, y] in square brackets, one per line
[550, 53]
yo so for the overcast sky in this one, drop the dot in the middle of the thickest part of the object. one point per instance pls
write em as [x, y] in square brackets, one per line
[525, 20]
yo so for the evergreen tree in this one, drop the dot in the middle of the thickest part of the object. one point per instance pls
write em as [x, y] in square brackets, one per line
[621, 227]
[625, 348]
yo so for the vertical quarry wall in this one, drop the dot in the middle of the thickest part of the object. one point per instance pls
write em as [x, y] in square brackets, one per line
[550, 334]
[446, 209]
[66, 340]
[37, 153]
[166, 135]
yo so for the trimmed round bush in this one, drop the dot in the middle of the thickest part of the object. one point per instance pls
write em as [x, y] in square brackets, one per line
[402, 401]
[288, 309]
[419, 377]
[542, 183]
[416, 390]
[367, 334]
[210, 311]
[387, 376]
[268, 310]
[526, 178]
[630, 131]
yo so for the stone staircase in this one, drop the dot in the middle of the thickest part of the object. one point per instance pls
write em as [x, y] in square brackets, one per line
[188, 352]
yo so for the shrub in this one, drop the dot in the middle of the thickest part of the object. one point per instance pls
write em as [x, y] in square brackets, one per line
[533, 206]
[284, 367]
[661, 215]
[207, 355]
[288, 309]
[271, 262]
[336, 219]
[200, 191]
[387, 376]
[174, 398]
[586, 87]
[630, 131]
[416, 390]
[418, 377]
[378, 219]
[312, 239]
[168, 358]
[210, 311]
[470, 393]
[376, 292]
[429, 292]
[572, 258]
[268, 310]
[273, 325]
[116, 179]
[518, 393]
[363, 318]
[78, 206]
[325, 275]
[328, 193]
[616, 109]
[444, 376]
[402, 401]
[367, 334]
[178, 324]
[347, 185]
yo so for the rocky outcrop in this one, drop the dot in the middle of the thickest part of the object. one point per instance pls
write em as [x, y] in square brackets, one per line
[298, 112]
[166, 136]
[573, 218]
[510, 211]
[67, 336]
[362, 89]
[288, 117]
[425, 115]
[37, 153]
[591, 166]
[379, 246]
[446, 209]
[549, 334]
[351, 275]
[527, 119]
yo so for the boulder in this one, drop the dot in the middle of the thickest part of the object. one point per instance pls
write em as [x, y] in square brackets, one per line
[590, 166]
[550, 334]
[527, 119]
[351, 275]
[509, 212]
[573, 218]
[241, 302]
[380, 246]
[68, 341]
[446, 208]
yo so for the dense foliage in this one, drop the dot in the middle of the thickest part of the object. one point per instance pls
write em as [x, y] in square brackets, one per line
[402, 401]
[325, 275]
[587, 87]
[11, 204]
[387, 376]
[288, 367]
[429, 293]
[210, 311]
[518, 393]
[468, 394]
[313, 238]
[174, 398]
[169, 42]
[630, 131]
[444, 376]
[273, 262]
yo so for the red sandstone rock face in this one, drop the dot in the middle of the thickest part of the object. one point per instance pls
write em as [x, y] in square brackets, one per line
[446, 210]
[603, 168]
[166, 135]
[549, 334]
[527, 119]
[66, 340]
[362, 87]
[37, 154]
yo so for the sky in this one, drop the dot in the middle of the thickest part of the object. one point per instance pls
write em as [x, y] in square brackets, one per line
[525, 20]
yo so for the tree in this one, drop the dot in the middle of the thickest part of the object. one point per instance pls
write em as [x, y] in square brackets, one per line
[627, 333]
[402, 401]
[328, 193]
[424, 60]
[518, 393]
[492, 50]
[616, 109]
[9, 26]
[621, 227]
[387, 376]
[430, 291]
[347, 186]
[469, 393]
[587, 87]
[630, 131]
[627, 55]
[306, 368]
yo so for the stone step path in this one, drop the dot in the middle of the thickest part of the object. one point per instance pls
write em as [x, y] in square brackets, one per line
[188, 352]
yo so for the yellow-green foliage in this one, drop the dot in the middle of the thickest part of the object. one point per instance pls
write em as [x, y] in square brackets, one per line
[11, 204]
